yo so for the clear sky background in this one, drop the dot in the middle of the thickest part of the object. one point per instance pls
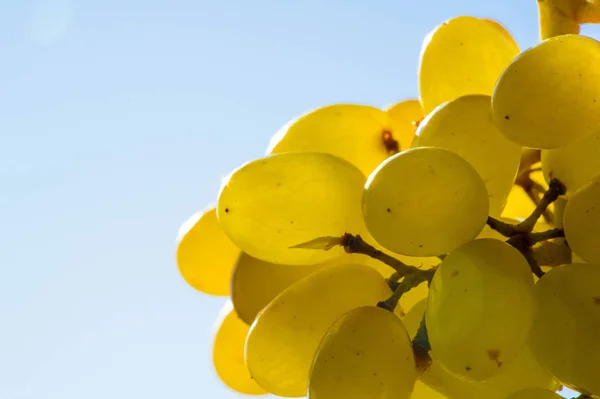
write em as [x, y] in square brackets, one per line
[118, 120]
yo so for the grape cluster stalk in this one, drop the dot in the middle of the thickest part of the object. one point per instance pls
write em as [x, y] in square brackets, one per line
[445, 247]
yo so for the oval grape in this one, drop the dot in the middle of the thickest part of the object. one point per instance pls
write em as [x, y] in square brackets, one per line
[581, 222]
[425, 202]
[549, 96]
[274, 203]
[479, 308]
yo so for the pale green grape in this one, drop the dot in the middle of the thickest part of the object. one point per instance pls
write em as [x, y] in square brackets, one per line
[549, 96]
[566, 326]
[424, 202]
[479, 308]
[581, 221]
[405, 115]
[352, 132]
[534, 393]
[524, 372]
[465, 126]
[228, 353]
[365, 354]
[575, 164]
[205, 255]
[286, 333]
[464, 55]
[273, 203]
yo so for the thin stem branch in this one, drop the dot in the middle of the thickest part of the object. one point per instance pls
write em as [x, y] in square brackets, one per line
[408, 283]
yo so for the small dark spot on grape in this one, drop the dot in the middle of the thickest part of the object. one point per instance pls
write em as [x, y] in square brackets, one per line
[226, 210]
[494, 354]
[507, 117]
[461, 43]
[580, 75]
[420, 245]
[468, 368]
[357, 353]
[291, 222]
[455, 273]
[388, 210]
[374, 374]
[596, 300]
[594, 100]
[278, 184]
[466, 290]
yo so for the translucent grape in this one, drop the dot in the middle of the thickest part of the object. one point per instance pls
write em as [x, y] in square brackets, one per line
[228, 353]
[273, 203]
[425, 202]
[423, 391]
[549, 96]
[286, 333]
[524, 372]
[353, 132]
[581, 221]
[534, 393]
[464, 55]
[479, 308]
[405, 116]
[575, 164]
[465, 126]
[564, 334]
[205, 255]
[505, 33]
[255, 283]
[365, 354]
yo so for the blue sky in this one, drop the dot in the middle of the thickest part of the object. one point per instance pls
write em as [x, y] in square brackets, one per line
[118, 120]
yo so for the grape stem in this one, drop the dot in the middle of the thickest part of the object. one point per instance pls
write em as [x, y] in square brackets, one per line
[533, 189]
[421, 347]
[408, 283]
[556, 188]
[524, 242]
[354, 244]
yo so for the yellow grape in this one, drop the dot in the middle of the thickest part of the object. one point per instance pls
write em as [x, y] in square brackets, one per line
[366, 353]
[464, 55]
[479, 308]
[423, 391]
[271, 204]
[255, 283]
[205, 255]
[228, 353]
[581, 221]
[534, 393]
[405, 115]
[549, 96]
[524, 372]
[575, 164]
[424, 202]
[286, 333]
[350, 131]
[464, 126]
[566, 325]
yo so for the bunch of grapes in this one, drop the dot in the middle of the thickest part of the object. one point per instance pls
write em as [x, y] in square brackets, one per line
[445, 247]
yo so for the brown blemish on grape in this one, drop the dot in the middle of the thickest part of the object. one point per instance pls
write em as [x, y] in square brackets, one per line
[455, 273]
[391, 145]
[494, 354]
[507, 117]
[388, 210]
[226, 210]
[468, 368]
[596, 300]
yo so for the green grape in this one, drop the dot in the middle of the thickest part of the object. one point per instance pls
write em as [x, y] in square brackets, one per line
[271, 204]
[424, 202]
[581, 222]
[464, 55]
[255, 283]
[524, 372]
[534, 393]
[464, 126]
[353, 132]
[205, 255]
[405, 115]
[366, 353]
[286, 333]
[479, 308]
[549, 96]
[228, 353]
[575, 164]
[566, 325]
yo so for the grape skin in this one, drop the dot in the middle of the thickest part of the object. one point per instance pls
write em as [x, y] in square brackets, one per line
[365, 354]
[581, 221]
